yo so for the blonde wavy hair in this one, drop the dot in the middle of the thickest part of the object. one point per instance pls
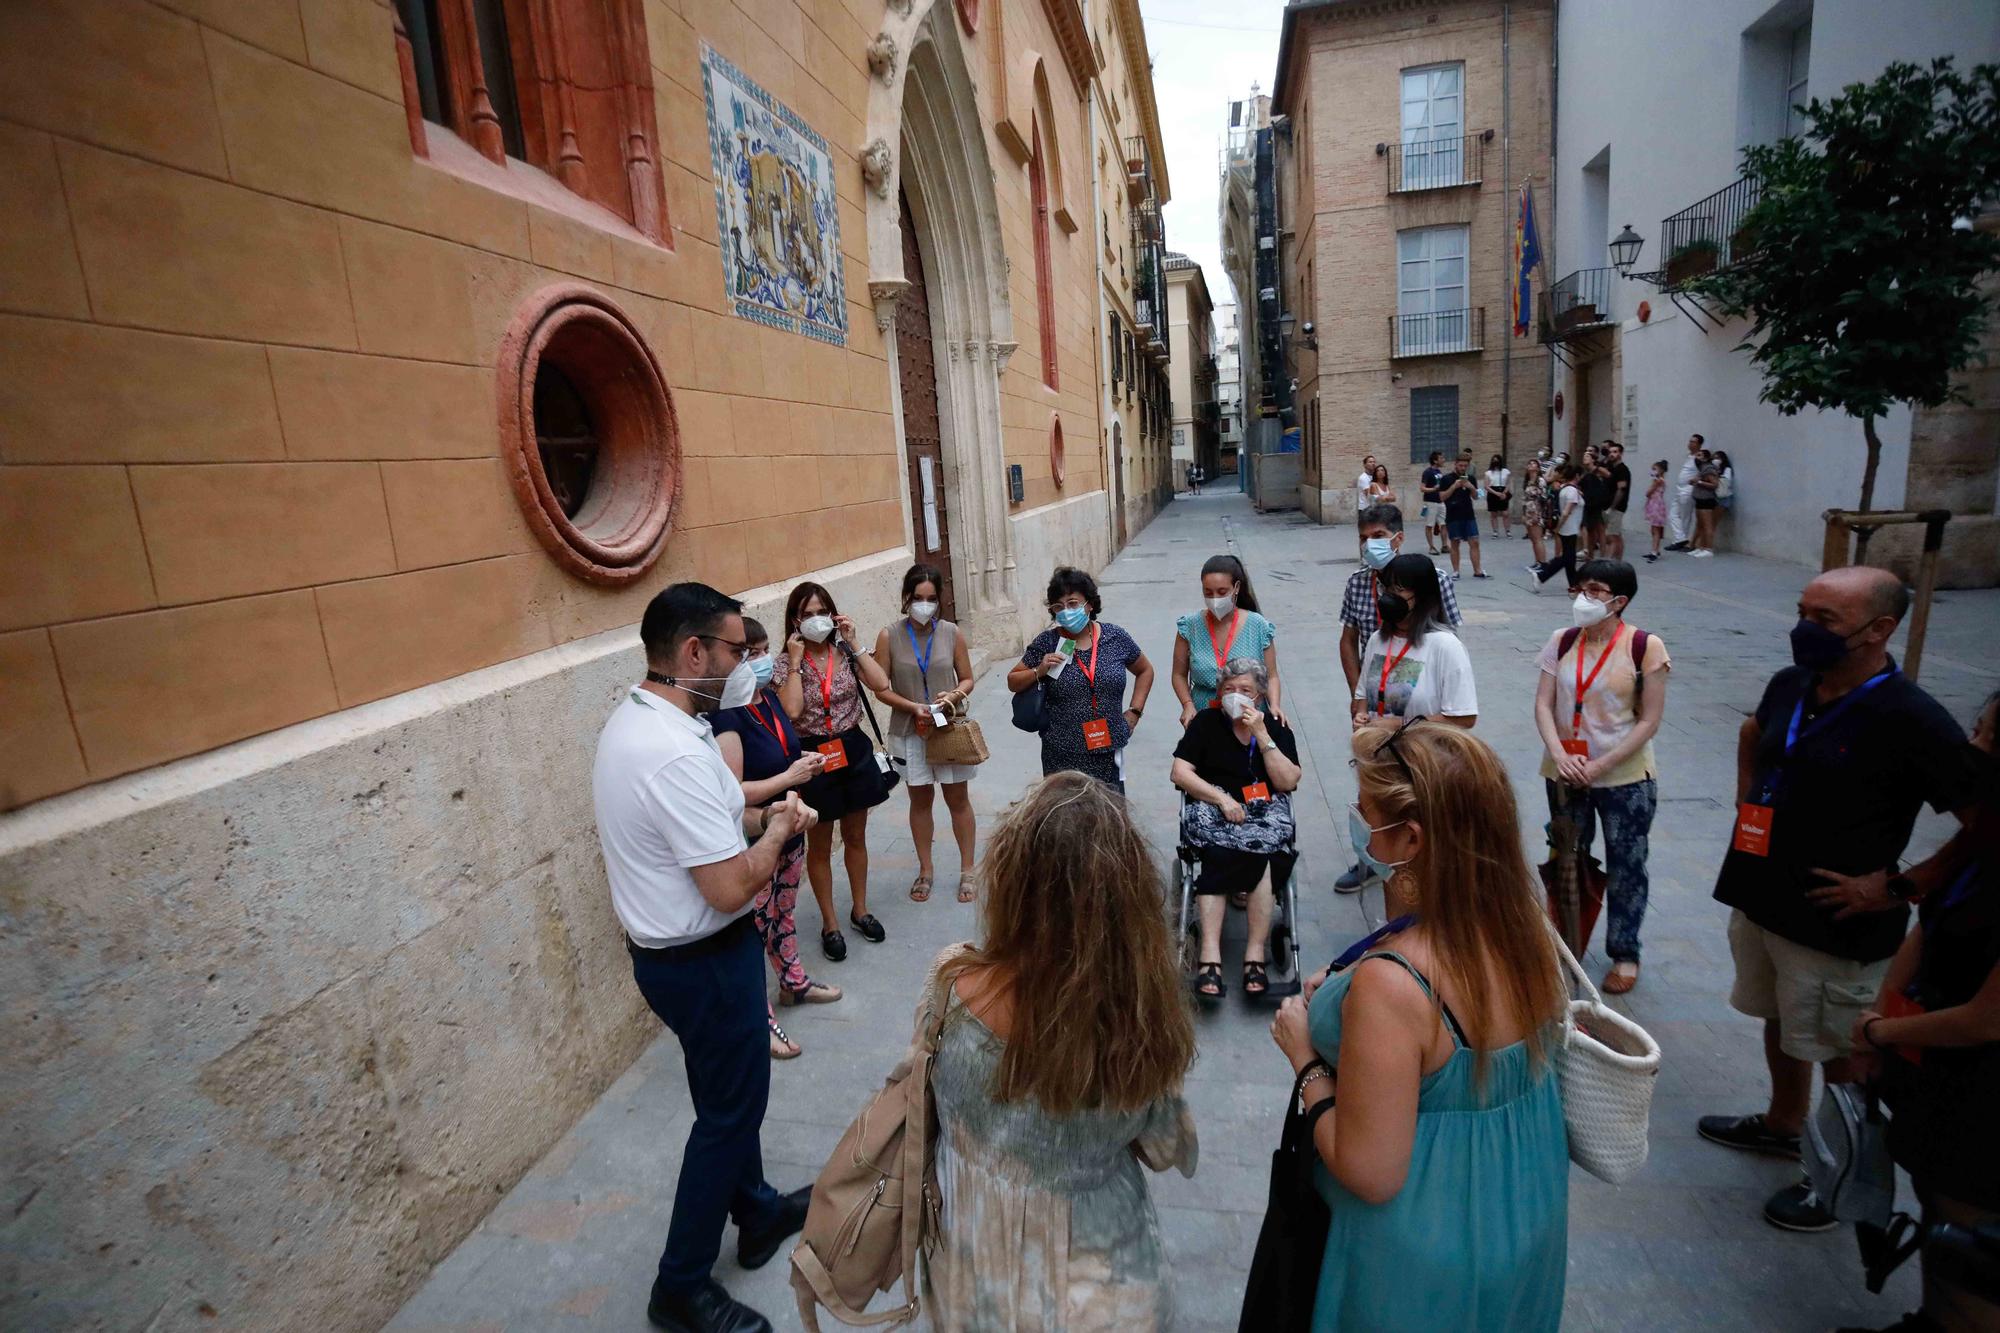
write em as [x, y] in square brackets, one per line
[1073, 905]
[1480, 905]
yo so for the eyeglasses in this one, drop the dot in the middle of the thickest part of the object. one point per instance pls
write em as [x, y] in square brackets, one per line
[741, 646]
[1072, 604]
[1389, 747]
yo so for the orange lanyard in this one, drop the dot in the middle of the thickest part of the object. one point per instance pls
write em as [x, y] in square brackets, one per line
[825, 683]
[1222, 649]
[1090, 672]
[777, 734]
[1582, 684]
[1388, 664]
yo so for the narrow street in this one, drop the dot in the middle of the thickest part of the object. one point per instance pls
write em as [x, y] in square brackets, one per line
[1683, 1246]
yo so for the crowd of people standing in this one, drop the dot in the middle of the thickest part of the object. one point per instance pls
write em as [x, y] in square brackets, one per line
[1066, 1031]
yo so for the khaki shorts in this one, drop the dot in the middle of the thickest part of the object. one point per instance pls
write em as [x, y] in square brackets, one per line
[1813, 997]
[1614, 522]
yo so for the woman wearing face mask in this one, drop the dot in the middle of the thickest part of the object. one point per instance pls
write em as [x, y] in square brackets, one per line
[1444, 1160]
[1602, 694]
[1229, 627]
[1083, 663]
[762, 750]
[928, 668]
[1534, 500]
[1241, 768]
[1499, 496]
[1413, 665]
[820, 678]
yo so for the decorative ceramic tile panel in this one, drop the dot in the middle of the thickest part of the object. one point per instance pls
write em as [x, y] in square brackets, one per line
[775, 207]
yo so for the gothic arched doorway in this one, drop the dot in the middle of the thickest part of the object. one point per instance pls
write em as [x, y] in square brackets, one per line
[923, 440]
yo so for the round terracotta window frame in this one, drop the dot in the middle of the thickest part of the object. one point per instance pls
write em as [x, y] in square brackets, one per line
[1058, 463]
[628, 514]
[968, 14]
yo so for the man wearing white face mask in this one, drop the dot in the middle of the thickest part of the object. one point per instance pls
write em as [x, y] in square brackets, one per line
[1602, 694]
[930, 673]
[672, 824]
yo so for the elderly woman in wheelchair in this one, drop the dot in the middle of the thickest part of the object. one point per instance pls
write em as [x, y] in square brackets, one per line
[1237, 768]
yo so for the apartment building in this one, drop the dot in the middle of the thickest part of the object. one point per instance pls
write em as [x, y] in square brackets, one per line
[1197, 413]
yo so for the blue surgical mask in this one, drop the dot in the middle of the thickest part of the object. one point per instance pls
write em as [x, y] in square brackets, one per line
[761, 668]
[1361, 835]
[1377, 552]
[1073, 619]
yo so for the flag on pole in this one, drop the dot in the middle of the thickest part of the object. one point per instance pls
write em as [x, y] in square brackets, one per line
[1527, 254]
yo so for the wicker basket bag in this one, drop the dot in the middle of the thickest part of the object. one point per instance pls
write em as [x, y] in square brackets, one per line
[1607, 1066]
[960, 743]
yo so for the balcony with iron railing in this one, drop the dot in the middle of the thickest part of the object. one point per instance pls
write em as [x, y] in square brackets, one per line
[1437, 333]
[1436, 164]
[1138, 168]
[1707, 236]
[1577, 305]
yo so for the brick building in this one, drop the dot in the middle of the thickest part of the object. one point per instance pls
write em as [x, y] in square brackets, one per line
[364, 370]
[1403, 135]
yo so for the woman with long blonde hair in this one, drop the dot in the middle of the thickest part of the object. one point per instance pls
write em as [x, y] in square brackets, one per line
[1445, 1163]
[1057, 1074]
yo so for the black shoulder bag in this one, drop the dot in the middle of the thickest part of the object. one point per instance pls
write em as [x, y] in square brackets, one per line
[878, 777]
[1284, 1272]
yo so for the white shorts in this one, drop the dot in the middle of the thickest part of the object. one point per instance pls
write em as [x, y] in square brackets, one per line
[1813, 997]
[918, 770]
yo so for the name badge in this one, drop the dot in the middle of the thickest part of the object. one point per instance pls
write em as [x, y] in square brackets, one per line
[1753, 829]
[836, 755]
[1577, 746]
[1096, 734]
[1257, 791]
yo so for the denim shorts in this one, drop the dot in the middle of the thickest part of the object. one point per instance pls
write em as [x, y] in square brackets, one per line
[1462, 529]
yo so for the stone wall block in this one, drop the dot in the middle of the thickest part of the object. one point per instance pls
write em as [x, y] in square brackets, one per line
[38, 268]
[70, 546]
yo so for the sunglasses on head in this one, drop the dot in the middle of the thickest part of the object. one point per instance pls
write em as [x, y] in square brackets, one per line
[1389, 747]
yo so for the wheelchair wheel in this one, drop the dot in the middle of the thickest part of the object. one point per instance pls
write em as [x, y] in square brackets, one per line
[1188, 924]
[1281, 947]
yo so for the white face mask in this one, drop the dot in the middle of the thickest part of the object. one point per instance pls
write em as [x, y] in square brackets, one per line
[1236, 704]
[921, 612]
[817, 628]
[1588, 611]
[739, 687]
[1221, 606]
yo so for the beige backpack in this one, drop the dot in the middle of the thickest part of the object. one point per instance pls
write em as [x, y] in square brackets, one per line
[875, 1205]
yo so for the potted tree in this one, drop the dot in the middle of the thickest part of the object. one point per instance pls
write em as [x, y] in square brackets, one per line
[1691, 260]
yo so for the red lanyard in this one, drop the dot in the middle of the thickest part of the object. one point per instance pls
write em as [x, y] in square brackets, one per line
[825, 683]
[1388, 664]
[777, 733]
[1582, 684]
[1222, 649]
[1090, 672]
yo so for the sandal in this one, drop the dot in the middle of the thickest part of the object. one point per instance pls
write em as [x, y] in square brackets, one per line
[815, 992]
[968, 888]
[833, 944]
[783, 1047]
[1256, 980]
[920, 889]
[1621, 978]
[1208, 981]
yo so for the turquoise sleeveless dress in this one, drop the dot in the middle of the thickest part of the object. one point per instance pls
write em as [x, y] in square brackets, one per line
[1477, 1238]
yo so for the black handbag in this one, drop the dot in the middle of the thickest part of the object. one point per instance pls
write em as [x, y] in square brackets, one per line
[1031, 710]
[1284, 1272]
[882, 774]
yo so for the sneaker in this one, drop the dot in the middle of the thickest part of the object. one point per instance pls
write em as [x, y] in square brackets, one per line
[1352, 880]
[1679, 546]
[1703, 554]
[1797, 1208]
[1534, 579]
[1651, 556]
[1748, 1132]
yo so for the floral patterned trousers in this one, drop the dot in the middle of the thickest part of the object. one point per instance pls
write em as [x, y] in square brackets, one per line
[772, 912]
[1627, 813]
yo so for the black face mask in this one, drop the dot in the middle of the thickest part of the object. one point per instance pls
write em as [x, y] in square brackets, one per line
[1391, 609]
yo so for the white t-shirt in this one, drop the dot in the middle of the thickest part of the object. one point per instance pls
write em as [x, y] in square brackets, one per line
[1497, 478]
[1361, 484]
[1433, 678]
[666, 802]
[1572, 525]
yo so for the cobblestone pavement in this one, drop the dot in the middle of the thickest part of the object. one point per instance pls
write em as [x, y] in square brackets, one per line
[1680, 1247]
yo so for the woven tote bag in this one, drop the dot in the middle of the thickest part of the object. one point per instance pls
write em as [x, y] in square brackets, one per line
[960, 743]
[1607, 1066]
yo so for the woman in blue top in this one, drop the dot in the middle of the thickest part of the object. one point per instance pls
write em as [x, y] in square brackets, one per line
[1445, 1163]
[1082, 664]
[762, 750]
[1229, 626]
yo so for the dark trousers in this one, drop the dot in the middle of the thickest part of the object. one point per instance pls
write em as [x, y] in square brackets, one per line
[1547, 569]
[713, 1001]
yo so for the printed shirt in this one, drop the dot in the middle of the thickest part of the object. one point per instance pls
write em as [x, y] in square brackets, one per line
[1610, 701]
[813, 719]
[1434, 678]
[1357, 603]
[1253, 635]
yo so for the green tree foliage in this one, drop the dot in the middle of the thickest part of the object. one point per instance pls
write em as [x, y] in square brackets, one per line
[1862, 291]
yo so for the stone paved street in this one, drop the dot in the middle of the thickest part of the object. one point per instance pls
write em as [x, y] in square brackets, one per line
[1681, 1247]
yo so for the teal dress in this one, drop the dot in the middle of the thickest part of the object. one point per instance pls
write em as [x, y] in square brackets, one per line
[1253, 635]
[1477, 1238]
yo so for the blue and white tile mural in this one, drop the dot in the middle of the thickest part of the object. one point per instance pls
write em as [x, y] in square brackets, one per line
[774, 207]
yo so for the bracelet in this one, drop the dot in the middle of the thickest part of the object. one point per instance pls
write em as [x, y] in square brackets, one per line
[1314, 1077]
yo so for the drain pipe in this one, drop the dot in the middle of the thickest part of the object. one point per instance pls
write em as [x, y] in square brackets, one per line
[1507, 174]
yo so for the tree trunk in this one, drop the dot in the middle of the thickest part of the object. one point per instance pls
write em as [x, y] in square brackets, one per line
[1862, 535]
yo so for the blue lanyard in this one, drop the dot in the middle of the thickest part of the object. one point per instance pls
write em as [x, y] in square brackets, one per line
[1960, 887]
[923, 661]
[1396, 927]
[1768, 789]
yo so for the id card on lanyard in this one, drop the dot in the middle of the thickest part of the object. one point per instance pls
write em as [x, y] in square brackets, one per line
[1389, 664]
[1253, 790]
[1096, 730]
[1755, 816]
[1576, 744]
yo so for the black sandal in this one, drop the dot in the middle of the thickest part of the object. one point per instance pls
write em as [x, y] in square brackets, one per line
[1208, 981]
[833, 944]
[1256, 981]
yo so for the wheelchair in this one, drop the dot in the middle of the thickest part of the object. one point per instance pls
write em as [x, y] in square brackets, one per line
[1283, 977]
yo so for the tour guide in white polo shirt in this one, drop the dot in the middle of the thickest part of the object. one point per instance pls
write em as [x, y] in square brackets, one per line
[673, 828]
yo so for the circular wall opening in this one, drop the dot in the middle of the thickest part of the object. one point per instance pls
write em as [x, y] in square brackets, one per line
[1057, 468]
[588, 434]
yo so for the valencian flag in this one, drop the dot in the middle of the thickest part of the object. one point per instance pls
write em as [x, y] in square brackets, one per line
[1527, 254]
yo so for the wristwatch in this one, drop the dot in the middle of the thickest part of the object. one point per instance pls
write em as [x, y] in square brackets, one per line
[1902, 887]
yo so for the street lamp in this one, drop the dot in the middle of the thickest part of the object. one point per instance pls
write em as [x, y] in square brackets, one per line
[1625, 247]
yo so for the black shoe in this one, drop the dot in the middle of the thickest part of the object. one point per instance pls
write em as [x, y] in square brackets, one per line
[755, 1248]
[833, 944]
[1797, 1208]
[1352, 881]
[871, 929]
[1680, 546]
[1916, 1321]
[1748, 1132]
[706, 1309]
[1651, 558]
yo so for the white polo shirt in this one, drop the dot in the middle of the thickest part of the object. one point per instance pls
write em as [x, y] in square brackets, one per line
[666, 802]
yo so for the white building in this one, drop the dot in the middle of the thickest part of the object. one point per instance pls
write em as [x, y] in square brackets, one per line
[1654, 102]
[1228, 386]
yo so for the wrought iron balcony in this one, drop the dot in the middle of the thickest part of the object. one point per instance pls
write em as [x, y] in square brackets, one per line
[1436, 164]
[1138, 168]
[1576, 305]
[1438, 333]
[1707, 236]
